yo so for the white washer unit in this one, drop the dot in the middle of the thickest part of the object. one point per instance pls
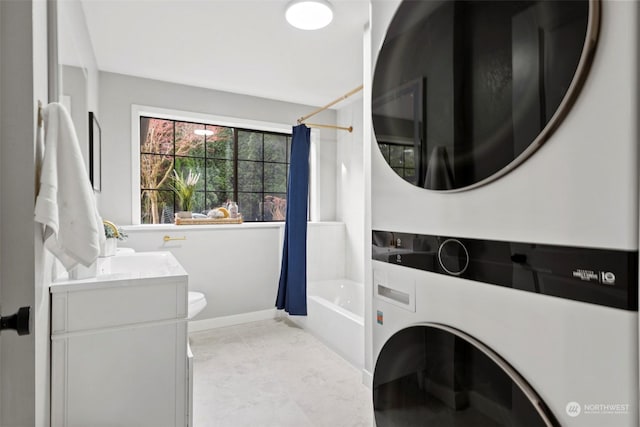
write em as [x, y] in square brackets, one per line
[506, 293]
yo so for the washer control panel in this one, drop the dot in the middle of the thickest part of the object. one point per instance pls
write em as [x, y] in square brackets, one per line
[599, 276]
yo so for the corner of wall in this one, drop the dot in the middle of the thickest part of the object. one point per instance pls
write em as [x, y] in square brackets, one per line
[366, 167]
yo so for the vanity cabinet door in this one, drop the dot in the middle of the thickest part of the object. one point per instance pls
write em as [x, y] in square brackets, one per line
[119, 354]
[128, 377]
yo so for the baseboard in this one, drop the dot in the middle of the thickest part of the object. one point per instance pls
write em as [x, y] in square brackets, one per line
[367, 378]
[236, 319]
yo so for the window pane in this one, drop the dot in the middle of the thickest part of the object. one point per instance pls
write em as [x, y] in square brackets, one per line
[409, 157]
[188, 143]
[249, 145]
[156, 207]
[288, 149]
[199, 205]
[249, 176]
[384, 148]
[397, 154]
[410, 174]
[155, 171]
[275, 207]
[275, 177]
[215, 199]
[219, 175]
[249, 206]
[220, 144]
[275, 148]
[184, 165]
[156, 136]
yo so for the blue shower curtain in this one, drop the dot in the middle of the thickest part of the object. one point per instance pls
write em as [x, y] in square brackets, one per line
[292, 289]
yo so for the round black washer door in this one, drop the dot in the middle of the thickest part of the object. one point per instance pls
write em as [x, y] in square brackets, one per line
[435, 375]
[465, 90]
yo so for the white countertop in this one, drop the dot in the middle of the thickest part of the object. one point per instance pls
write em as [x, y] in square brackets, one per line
[125, 269]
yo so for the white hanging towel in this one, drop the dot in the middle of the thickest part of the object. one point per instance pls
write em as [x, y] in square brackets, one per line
[66, 205]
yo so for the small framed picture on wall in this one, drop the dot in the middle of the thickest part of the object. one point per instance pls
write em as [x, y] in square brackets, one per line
[95, 152]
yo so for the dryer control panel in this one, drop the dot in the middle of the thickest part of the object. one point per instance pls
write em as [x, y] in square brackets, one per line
[598, 276]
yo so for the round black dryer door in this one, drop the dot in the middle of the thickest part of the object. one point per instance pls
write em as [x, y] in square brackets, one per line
[465, 90]
[432, 375]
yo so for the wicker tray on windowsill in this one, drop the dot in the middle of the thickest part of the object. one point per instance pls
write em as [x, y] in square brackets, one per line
[207, 221]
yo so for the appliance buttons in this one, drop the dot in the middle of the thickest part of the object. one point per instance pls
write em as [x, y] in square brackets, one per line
[453, 257]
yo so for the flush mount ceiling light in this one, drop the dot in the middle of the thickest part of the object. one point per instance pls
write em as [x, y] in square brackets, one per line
[202, 132]
[309, 14]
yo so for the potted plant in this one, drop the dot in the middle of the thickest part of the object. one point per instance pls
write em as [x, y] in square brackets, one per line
[185, 189]
[113, 233]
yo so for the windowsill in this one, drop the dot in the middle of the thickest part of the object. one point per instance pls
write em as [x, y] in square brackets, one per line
[173, 227]
[243, 226]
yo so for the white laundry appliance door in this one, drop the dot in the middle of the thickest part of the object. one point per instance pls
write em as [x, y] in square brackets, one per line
[464, 91]
[435, 375]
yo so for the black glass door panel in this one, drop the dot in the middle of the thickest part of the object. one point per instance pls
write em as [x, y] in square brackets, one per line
[465, 90]
[433, 375]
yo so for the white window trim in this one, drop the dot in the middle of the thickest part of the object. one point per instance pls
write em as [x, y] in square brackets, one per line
[164, 113]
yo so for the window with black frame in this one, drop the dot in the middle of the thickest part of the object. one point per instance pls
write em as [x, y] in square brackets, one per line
[243, 165]
[401, 158]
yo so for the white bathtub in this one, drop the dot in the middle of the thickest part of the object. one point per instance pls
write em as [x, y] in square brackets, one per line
[335, 314]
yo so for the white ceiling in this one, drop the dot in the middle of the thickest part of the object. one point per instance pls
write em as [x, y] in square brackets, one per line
[241, 46]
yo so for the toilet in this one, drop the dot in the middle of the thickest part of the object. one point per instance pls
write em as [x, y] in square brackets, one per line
[197, 302]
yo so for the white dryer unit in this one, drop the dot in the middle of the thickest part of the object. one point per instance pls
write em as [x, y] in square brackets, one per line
[505, 213]
[485, 333]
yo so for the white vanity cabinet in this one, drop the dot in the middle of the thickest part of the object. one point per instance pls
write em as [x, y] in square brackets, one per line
[119, 345]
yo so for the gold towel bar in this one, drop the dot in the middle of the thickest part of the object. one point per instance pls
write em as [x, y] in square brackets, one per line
[169, 238]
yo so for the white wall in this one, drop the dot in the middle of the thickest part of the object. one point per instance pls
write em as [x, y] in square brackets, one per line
[237, 267]
[75, 48]
[78, 68]
[367, 372]
[24, 367]
[74, 90]
[380, 14]
[119, 92]
[350, 196]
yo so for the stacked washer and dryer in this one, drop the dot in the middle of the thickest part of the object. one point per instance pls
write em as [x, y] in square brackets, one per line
[505, 213]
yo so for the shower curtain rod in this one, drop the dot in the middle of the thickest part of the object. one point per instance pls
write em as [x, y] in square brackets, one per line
[318, 125]
[329, 105]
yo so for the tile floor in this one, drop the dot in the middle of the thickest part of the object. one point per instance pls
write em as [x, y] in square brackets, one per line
[274, 374]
